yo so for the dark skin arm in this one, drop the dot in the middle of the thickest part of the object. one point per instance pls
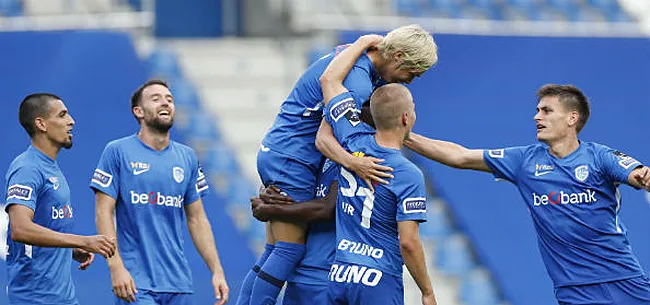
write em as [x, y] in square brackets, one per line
[273, 205]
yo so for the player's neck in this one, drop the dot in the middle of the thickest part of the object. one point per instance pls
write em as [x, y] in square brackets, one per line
[563, 147]
[154, 139]
[389, 139]
[377, 60]
[46, 146]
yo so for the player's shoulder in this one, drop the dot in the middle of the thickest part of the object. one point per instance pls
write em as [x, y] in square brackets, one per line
[184, 149]
[401, 164]
[26, 164]
[596, 147]
[122, 143]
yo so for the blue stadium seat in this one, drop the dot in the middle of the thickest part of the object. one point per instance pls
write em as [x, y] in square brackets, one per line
[446, 8]
[240, 191]
[184, 92]
[477, 288]
[163, 63]
[453, 256]
[408, 7]
[437, 226]
[11, 8]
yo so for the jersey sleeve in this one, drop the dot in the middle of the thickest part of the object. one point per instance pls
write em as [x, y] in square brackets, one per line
[505, 163]
[106, 176]
[343, 116]
[198, 186]
[616, 165]
[359, 83]
[411, 195]
[23, 187]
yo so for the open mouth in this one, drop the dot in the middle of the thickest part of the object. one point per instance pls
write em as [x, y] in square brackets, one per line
[164, 113]
[540, 127]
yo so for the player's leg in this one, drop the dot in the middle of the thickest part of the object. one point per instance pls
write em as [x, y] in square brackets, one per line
[634, 291]
[143, 297]
[299, 294]
[298, 181]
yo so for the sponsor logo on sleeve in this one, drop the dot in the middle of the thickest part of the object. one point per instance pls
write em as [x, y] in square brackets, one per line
[496, 153]
[346, 108]
[201, 181]
[19, 191]
[625, 161]
[415, 205]
[102, 178]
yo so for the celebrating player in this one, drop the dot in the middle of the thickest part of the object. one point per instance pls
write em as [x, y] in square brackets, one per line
[289, 158]
[41, 214]
[376, 232]
[571, 190]
[152, 183]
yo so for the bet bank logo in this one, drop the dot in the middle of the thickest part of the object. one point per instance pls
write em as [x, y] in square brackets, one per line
[62, 213]
[564, 198]
[157, 198]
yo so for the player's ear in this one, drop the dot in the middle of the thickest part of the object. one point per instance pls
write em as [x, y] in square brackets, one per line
[39, 124]
[574, 117]
[138, 112]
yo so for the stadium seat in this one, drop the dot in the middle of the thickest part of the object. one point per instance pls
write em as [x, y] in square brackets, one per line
[408, 7]
[164, 64]
[11, 8]
[477, 288]
[446, 8]
[453, 256]
[437, 226]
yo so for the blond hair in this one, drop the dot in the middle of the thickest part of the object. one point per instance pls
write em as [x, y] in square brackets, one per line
[419, 49]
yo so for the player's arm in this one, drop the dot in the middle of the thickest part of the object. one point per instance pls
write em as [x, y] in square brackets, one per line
[269, 208]
[447, 153]
[121, 280]
[201, 232]
[640, 178]
[367, 168]
[26, 231]
[413, 255]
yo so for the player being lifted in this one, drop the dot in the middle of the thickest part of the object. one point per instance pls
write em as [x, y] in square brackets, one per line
[288, 156]
[152, 184]
[376, 232]
[41, 214]
[571, 190]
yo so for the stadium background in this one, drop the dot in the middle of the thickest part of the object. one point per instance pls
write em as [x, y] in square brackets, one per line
[230, 64]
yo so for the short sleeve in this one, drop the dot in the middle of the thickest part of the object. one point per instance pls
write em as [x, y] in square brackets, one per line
[411, 195]
[359, 83]
[23, 187]
[616, 165]
[505, 163]
[343, 116]
[198, 186]
[106, 176]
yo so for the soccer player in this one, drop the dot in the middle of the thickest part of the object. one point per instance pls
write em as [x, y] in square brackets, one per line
[571, 190]
[288, 156]
[41, 213]
[152, 184]
[376, 232]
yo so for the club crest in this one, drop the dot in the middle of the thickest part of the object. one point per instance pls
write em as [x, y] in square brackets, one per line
[179, 174]
[582, 172]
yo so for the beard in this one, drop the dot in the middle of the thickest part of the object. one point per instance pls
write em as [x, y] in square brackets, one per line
[158, 125]
[67, 145]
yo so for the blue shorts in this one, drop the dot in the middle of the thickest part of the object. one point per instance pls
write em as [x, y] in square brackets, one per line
[634, 291]
[293, 177]
[359, 285]
[146, 297]
[299, 294]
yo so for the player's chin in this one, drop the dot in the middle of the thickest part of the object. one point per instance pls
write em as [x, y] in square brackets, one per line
[67, 144]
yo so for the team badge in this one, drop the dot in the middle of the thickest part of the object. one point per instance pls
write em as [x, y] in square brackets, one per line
[55, 182]
[582, 172]
[179, 174]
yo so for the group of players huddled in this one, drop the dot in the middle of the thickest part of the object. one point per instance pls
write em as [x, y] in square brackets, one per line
[342, 204]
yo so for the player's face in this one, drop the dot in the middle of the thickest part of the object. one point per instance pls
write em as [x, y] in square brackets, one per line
[58, 124]
[157, 107]
[411, 117]
[552, 120]
[395, 72]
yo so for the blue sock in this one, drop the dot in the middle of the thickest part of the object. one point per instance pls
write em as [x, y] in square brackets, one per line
[247, 287]
[275, 271]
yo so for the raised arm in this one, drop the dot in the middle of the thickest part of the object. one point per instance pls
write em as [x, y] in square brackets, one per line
[447, 153]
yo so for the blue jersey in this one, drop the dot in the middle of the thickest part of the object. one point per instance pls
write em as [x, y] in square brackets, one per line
[39, 275]
[151, 188]
[366, 222]
[574, 203]
[294, 131]
[321, 237]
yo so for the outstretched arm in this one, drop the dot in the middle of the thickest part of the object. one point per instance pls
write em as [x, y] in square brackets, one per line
[447, 153]
[640, 178]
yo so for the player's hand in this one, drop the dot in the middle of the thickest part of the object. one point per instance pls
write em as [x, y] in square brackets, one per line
[101, 244]
[273, 195]
[369, 170]
[258, 209]
[429, 299]
[370, 40]
[642, 176]
[220, 288]
[84, 257]
[123, 284]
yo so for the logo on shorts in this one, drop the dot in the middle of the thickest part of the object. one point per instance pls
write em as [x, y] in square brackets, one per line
[179, 174]
[582, 172]
[19, 191]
